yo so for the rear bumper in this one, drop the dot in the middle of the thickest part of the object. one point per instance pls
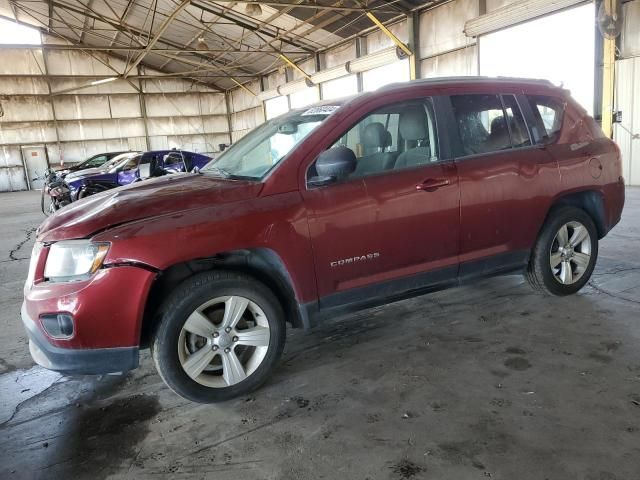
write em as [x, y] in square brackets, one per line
[76, 360]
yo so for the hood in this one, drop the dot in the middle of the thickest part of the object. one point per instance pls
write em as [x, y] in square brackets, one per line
[151, 198]
[84, 173]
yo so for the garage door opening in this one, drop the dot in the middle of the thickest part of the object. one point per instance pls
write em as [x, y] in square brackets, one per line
[558, 47]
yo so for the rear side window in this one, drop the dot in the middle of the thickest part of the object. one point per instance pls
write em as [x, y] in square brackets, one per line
[489, 123]
[517, 125]
[547, 114]
[481, 123]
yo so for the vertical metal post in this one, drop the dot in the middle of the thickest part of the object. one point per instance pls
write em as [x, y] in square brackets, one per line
[318, 68]
[227, 101]
[608, 69]
[361, 50]
[143, 111]
[53, 107]
[413, 30]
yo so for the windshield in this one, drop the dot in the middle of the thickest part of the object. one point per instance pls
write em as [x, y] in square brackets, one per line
[95, 161]
[260, 150]
[127, 163]
[116, 161]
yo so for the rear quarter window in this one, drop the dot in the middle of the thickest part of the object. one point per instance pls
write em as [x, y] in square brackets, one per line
[548, 113]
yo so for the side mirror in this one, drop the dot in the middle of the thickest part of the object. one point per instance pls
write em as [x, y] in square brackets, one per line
[333, 165]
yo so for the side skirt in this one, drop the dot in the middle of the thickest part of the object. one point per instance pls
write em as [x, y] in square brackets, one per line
[391, 291]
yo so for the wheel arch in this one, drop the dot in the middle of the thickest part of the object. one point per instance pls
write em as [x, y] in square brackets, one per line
[591, 201]
[263, 264]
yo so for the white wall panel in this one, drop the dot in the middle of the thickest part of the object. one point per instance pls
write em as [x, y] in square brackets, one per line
[308, 67]
[175, 126]
[124, 106]
[215, 124]
[459, 62]
[26, 109]
[628, 102]
[21, 62]
[71, 152]
[118, 86]
[441, 29]
[74, 62]
[630, 37]
[247, 119]
[23, 86]
[159, 105]
[12, 179]
[137, 143]
[10, 156]
[275, 79]
[81, 107]
[238, 134]
[339, 55]
[172, 86]
[243, 100]
[28, 132]
[100, 129]
[378, 40]
[212, 104]
[495, 4]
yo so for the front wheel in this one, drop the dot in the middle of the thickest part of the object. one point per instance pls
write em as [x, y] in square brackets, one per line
[565, 253]
[220, 335]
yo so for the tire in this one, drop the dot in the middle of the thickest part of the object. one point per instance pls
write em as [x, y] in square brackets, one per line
[205, 303]
[575, 259]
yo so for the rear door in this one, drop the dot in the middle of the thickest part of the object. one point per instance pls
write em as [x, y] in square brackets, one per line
[505, 180]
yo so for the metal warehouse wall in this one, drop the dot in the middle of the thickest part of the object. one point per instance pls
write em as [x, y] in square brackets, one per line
[443, 50]
[627, 93]
[105, 117]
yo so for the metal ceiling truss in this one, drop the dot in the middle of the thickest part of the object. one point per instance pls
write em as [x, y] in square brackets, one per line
[134, 44]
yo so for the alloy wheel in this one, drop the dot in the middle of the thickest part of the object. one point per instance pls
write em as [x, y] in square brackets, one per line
[224, 341]
[570, 253]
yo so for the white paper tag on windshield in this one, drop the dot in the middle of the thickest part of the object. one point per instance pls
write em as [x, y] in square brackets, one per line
[323, 110]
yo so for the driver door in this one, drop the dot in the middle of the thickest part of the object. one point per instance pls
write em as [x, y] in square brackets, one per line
[392, 226]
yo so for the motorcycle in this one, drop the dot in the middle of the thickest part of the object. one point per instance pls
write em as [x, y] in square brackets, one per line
[57, 190]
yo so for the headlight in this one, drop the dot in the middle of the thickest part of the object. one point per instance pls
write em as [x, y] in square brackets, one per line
[71, 260]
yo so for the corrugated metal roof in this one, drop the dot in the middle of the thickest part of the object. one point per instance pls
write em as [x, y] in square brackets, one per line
[216, 41]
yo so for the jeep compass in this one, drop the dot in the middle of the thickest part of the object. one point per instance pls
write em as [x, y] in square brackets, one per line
[330, 208]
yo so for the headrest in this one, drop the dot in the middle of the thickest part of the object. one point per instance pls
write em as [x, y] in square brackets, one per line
[413, 125]
[498, 126]
[375, 135]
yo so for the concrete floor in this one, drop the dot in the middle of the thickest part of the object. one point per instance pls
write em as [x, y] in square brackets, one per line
[485, 381]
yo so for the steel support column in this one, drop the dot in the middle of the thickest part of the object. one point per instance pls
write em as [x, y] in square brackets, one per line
[608, 69]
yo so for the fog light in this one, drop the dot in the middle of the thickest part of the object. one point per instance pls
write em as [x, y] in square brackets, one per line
[58, 325]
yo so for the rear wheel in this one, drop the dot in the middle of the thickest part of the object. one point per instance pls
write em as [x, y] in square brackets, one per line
[565, 253]
[220, 335]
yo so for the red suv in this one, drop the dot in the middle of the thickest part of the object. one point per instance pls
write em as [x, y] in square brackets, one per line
[330, 208]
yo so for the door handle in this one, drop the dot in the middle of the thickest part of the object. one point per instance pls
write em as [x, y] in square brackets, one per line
[432, 184]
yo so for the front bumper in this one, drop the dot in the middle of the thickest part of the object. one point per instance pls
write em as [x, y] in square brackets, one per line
[75, 360]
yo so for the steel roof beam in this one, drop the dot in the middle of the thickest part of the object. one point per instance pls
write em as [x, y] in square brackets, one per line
[314, 6]
[248, 26]
[158, 34]
[133, 49]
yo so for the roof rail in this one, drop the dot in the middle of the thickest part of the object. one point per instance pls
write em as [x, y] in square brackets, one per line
[470, 80]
